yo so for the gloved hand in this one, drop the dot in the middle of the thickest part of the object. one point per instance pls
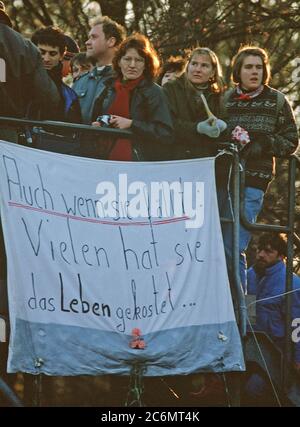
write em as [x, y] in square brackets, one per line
[221, 125]
[212, 127]
[209, 127]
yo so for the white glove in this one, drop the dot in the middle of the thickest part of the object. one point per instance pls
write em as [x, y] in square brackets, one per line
[221, 125]
[209, 127]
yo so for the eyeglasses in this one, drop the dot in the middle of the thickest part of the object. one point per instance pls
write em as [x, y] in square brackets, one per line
[128, 60]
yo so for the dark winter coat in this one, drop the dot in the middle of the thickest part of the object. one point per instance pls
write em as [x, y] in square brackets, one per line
[151, 120]
[26, 78]
[187, 111]
[68, 109]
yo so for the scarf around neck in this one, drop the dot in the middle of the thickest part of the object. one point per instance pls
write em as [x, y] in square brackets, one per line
[247, 96]
[120, 106]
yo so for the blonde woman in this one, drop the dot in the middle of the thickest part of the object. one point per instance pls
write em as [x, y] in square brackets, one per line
[195, 133]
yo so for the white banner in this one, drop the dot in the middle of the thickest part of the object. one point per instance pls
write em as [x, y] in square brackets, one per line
[98, 248]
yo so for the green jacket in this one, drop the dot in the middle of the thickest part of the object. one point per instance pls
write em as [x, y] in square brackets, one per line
[187, 111]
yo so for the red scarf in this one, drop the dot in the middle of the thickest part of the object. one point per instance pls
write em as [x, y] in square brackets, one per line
[121, 107]
[247, 96]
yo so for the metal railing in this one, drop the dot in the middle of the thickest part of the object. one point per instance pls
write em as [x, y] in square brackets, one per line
[238, 185]
[292, 237]
[61, 126]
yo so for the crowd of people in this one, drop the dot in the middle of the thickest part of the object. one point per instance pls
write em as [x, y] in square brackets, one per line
[182, 110]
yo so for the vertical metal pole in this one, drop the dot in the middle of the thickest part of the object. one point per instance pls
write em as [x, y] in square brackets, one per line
[239, 293]
[234, 379]
[289, 273]
[235, 228]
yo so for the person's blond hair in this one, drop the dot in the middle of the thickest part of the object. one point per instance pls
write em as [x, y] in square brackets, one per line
[110, 28]
[216, 82]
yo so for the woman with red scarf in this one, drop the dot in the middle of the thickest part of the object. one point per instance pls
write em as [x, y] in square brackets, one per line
[136, 103]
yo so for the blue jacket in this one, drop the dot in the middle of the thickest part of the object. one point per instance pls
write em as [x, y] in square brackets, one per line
[71, 106]
[270, 314]
[68, 109]
[89, 88]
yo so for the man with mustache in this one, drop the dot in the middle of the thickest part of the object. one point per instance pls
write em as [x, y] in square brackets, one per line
[266, 279]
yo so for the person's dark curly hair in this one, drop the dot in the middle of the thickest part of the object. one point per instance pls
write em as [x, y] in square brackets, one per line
[51, 36]
[273, 240]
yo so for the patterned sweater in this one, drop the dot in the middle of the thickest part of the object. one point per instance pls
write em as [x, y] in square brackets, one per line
[270, 134]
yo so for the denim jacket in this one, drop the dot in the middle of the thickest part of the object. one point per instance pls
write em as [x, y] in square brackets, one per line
[89, 87]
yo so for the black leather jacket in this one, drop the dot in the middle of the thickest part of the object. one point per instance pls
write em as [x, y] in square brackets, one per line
[151, 120]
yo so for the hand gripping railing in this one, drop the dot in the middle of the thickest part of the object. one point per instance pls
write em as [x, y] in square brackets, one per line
[55, 125]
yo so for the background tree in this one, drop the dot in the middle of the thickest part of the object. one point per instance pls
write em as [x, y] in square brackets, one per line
[177, 25]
